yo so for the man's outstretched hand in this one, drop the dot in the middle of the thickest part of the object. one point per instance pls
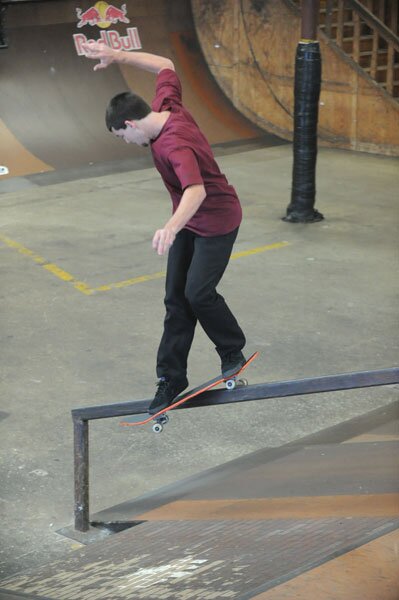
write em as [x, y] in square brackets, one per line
[163, 239]
[191, 200]
[99, 51]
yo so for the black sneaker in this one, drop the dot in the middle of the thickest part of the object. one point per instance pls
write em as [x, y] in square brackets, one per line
[166, 393]
[232, 363]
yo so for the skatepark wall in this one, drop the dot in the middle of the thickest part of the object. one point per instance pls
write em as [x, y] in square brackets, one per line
[52, 103]
[250, 49]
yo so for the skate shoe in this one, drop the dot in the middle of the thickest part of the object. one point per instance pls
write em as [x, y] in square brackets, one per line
[166, 393]
[232, 363]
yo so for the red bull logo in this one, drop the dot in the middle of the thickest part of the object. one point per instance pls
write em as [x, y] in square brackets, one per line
[102, 15]
[131, 41]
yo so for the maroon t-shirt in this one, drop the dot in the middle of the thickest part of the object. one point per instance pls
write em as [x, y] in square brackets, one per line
[184, 157]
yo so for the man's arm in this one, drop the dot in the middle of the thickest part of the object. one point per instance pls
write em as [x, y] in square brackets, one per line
[192, 198]
[142, 60]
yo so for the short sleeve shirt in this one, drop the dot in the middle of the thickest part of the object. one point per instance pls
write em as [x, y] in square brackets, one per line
[184, 157]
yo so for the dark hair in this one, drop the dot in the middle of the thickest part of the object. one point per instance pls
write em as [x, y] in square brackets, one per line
[124, 107]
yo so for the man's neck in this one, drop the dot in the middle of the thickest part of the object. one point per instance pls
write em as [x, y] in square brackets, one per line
[159, 122]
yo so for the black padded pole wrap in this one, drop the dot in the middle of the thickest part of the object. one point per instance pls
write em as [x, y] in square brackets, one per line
[3, 36]
[307, 92]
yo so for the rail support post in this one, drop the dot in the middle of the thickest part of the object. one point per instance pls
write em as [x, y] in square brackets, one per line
[81, 470]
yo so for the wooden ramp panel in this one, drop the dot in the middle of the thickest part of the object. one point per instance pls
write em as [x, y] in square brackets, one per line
[201, 560]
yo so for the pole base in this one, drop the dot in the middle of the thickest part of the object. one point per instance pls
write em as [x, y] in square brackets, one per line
[313, 216]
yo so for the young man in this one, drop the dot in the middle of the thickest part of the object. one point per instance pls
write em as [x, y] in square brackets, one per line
[204, 225]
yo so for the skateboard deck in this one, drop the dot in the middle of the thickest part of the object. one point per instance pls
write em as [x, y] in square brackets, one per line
[161, 418]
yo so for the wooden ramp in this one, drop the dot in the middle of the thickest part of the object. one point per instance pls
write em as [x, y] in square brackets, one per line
[250, 48]
[318, 518]
[60, 124]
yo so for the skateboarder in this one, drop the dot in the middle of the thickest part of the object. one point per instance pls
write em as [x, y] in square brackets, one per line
[201, 232]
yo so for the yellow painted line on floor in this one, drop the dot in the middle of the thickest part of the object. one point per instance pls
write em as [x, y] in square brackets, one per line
[22, 250]
[127, 282]
[160, 274]
[51, 267]
[259, 250]
[84, 288]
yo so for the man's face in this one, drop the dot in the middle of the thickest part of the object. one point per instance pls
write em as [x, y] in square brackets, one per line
[132, 134]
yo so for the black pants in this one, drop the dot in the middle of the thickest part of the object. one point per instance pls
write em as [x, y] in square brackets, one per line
[195, 266]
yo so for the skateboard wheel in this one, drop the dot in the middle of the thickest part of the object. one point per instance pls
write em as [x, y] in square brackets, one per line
[157, 428]
[163, 419]
[230, 384]
[242, 382]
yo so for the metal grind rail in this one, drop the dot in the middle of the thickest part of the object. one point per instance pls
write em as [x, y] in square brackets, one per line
[261, 391]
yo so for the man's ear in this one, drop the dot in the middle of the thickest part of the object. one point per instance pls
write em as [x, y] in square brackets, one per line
[131, 124]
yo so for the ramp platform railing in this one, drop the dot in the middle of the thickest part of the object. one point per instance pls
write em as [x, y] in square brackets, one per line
[261, 391]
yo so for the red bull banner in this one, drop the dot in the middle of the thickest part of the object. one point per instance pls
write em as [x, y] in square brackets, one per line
[103, 15]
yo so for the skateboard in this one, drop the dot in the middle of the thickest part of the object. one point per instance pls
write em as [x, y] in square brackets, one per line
[161, 418]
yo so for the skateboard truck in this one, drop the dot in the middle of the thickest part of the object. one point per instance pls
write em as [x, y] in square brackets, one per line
[159, 423]
[161, 418]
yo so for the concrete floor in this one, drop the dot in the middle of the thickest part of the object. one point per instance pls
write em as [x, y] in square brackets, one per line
[324, 303]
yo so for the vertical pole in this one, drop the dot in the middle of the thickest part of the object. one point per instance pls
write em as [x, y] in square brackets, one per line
[340, 23]
[306, 97]
[81, 465]
[390, 68]
[356, 37]
[329, 17]
[3, 36]
[394, 18]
